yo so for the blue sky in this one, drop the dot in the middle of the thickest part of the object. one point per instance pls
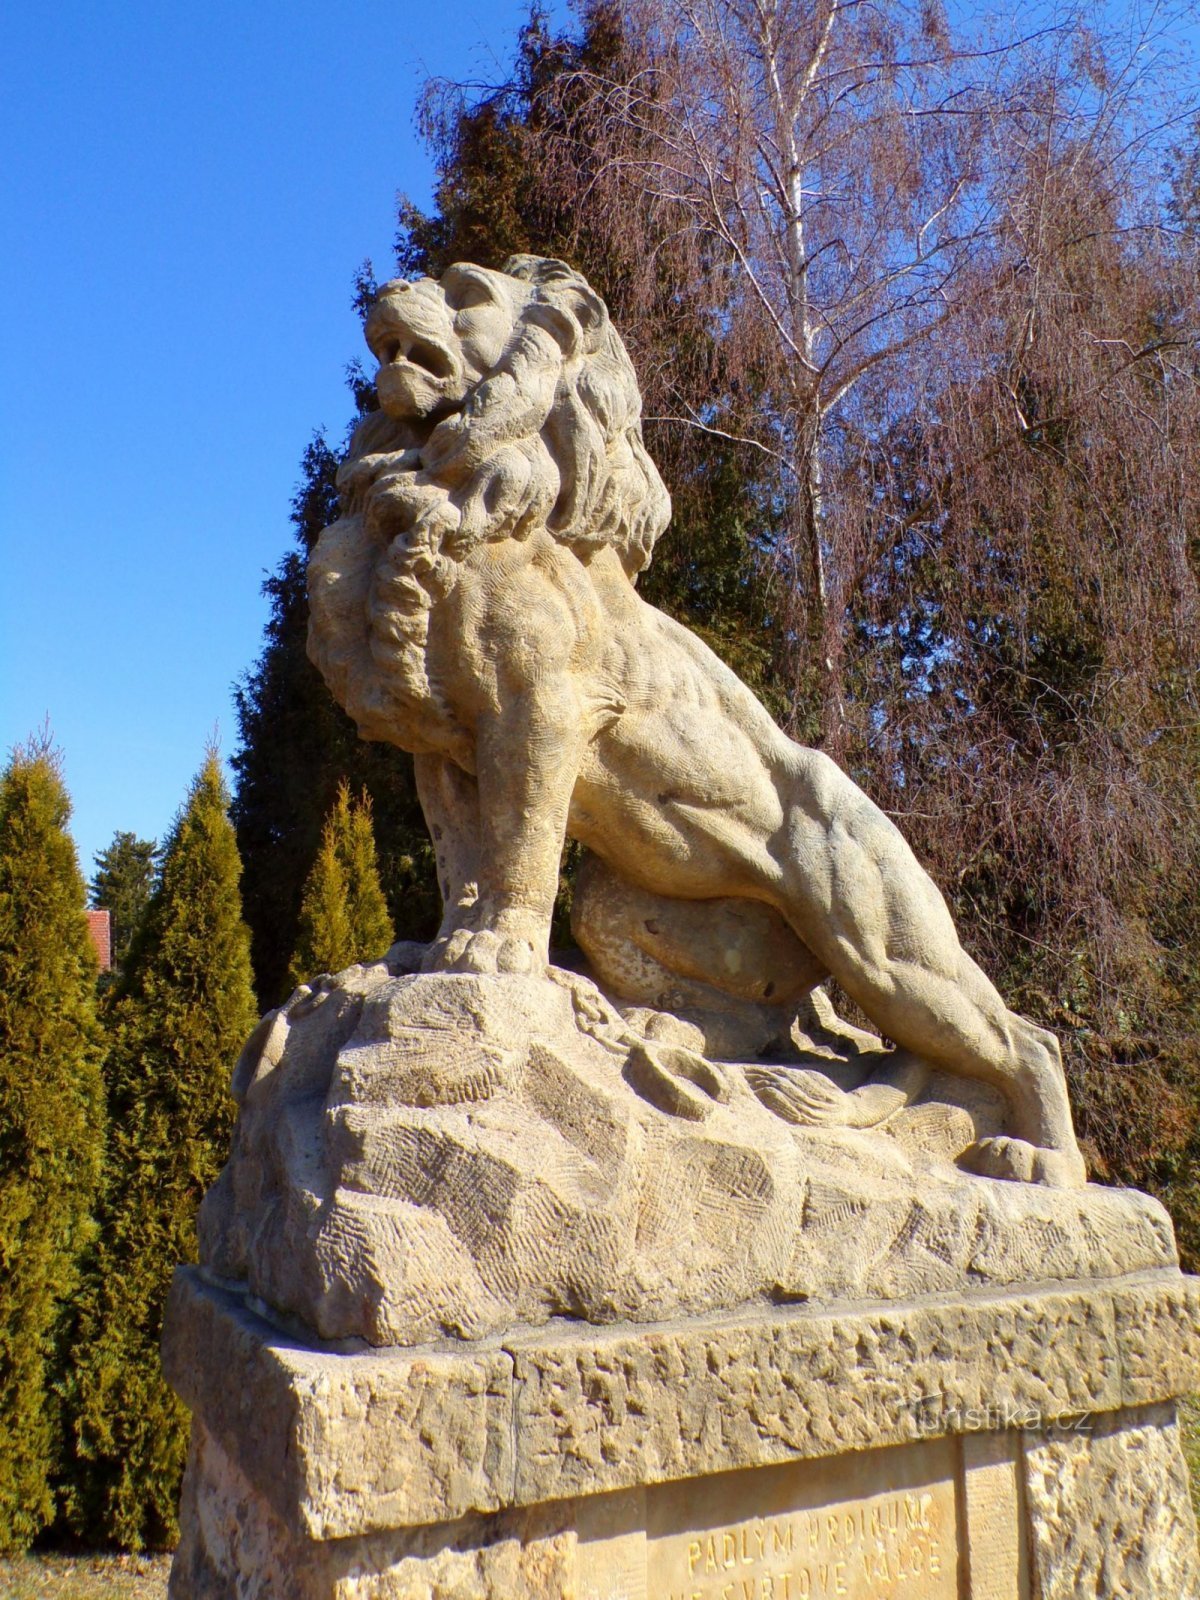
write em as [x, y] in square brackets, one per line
[187, 192]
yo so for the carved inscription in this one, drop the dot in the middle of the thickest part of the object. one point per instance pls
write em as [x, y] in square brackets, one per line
[881, 1526]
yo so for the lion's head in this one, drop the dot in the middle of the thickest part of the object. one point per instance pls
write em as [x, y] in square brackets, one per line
[507, 403]
[512, 394]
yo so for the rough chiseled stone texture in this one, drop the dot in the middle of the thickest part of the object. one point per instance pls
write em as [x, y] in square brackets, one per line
[681, 1401]
[345, 1443]
[1110, 1511]
[496, 1470]
[235, 1547]
[1156, 1332]
[1104, 1515]
[455, 1154]
[350, 1443]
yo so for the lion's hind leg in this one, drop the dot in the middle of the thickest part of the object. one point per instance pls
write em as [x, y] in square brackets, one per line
[736, 970]
[879, 921]
[733, 968]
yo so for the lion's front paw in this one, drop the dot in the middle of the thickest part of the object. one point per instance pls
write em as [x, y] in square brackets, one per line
[434, 959]
[803, 1096]
[483, 951]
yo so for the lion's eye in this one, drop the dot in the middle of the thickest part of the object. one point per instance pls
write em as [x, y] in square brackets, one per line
[464, 292]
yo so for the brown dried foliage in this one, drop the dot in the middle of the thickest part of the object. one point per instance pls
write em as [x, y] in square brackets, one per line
[1025, 610]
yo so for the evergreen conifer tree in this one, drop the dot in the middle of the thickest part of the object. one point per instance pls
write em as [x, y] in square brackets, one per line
[296, 746]
[343, 916]
[121, 885]
[324, 944]
[51, 1122]
[178, 1017]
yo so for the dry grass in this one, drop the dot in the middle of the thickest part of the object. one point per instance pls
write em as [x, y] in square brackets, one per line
[84, 1578]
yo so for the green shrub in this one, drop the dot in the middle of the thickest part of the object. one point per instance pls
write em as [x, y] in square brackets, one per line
[343, 915]
[178, 1018]
[51, 1123]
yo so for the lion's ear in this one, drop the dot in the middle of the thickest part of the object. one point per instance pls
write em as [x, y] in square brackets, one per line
[589, 312]
[587, 308]
[567, 307]
[575, 318]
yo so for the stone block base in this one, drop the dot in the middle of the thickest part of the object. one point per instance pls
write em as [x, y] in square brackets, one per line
[1021, 1446]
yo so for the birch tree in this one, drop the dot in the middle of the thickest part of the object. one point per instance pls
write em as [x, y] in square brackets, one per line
[822, 165]
[831, 180]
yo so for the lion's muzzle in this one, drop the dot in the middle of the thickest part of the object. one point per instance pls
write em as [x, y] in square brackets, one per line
[411, 334]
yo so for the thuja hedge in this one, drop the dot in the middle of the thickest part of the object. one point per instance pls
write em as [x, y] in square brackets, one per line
[176, 1022]
[51, 1126]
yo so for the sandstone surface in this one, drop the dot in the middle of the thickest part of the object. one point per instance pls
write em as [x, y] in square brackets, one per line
[422, 1155]
[475, 604]
[999, 1445]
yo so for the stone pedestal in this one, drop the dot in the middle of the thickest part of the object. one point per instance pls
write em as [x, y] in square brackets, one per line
[659, 1282]
[1012, 1445]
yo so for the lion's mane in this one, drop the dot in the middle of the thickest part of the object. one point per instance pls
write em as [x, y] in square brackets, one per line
[551, 437]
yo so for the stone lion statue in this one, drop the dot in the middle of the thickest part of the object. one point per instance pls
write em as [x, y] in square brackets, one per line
[475, 604]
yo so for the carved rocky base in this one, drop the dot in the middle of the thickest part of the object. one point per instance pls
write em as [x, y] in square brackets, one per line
[453, 1155]
[1019, 1445]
